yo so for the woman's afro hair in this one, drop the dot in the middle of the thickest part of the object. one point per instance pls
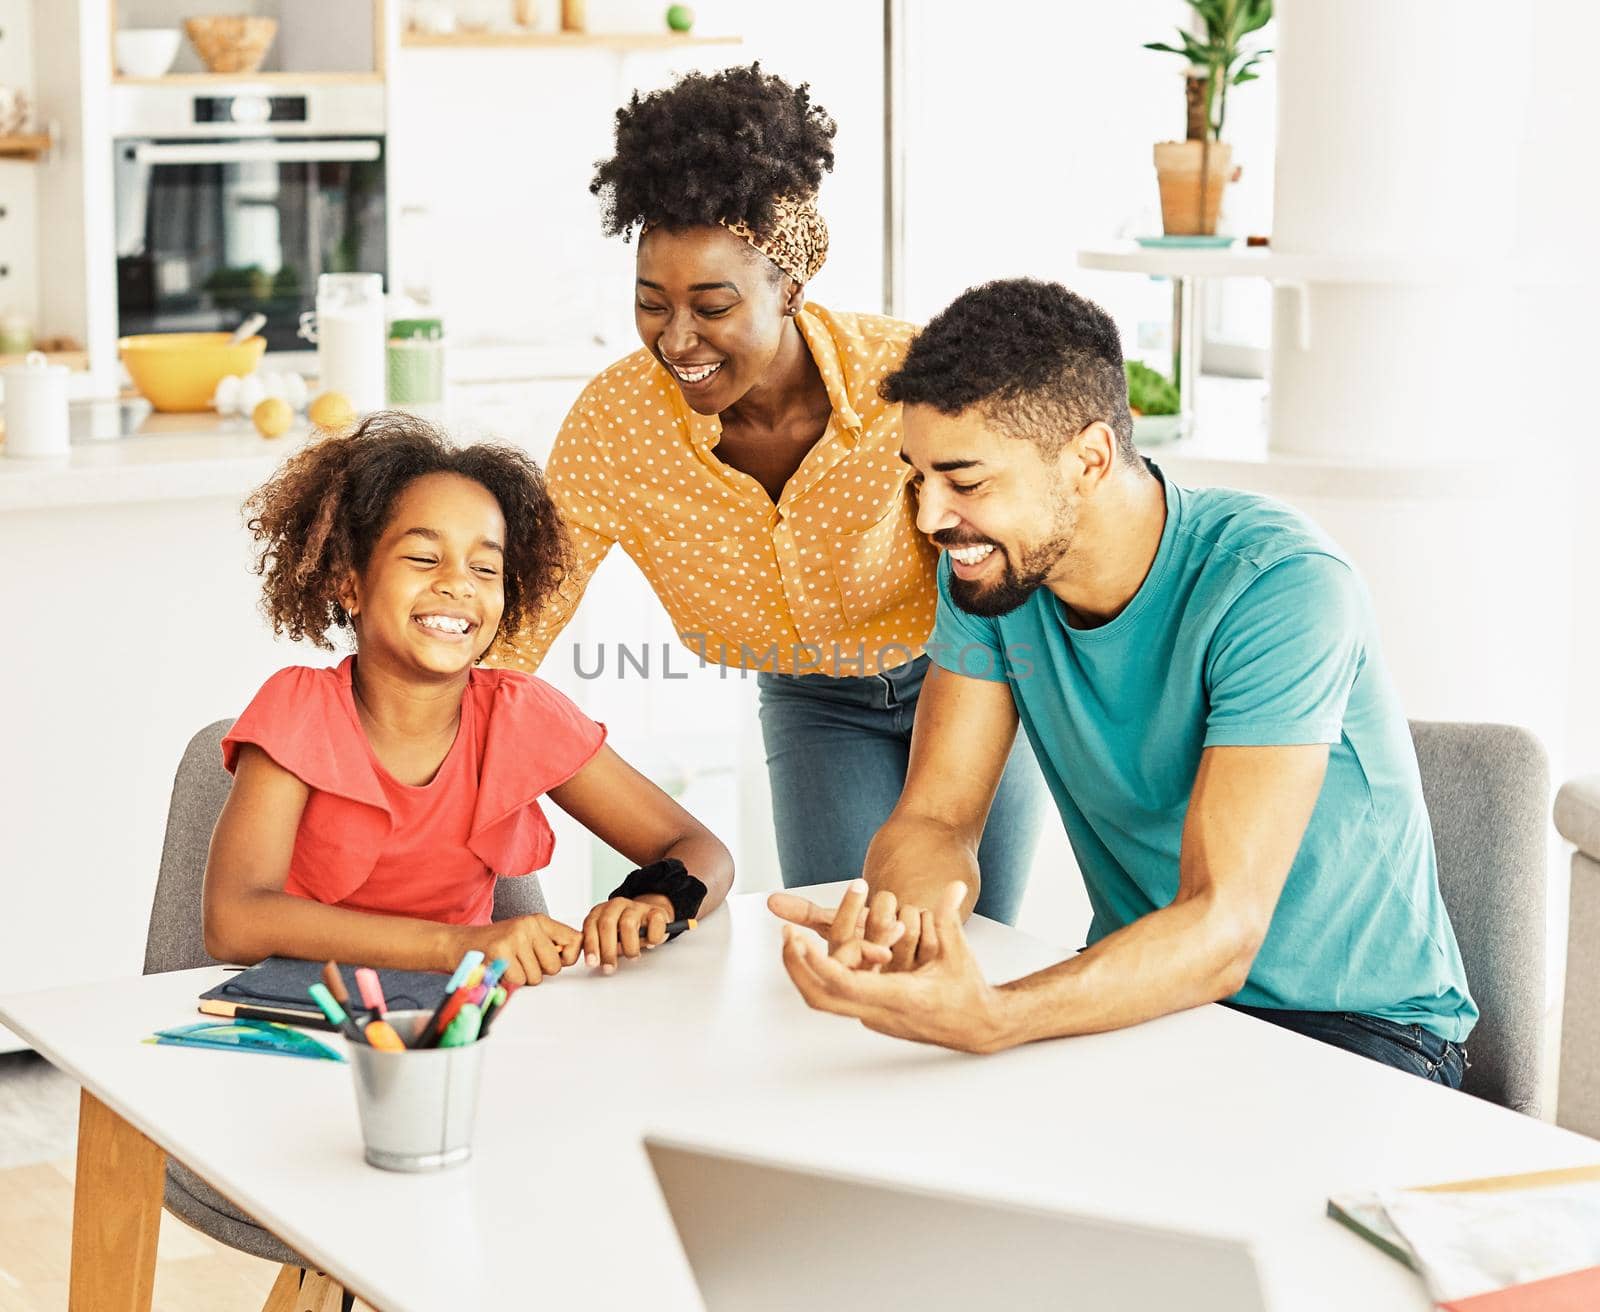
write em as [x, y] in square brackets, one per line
[711, 148]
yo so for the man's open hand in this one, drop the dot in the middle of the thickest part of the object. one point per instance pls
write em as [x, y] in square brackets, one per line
[880, 921]
[943, 998]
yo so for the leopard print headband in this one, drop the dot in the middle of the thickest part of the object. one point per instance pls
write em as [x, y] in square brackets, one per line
[797, 241]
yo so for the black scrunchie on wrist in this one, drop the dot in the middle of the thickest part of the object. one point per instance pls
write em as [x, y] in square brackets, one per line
[670, 879]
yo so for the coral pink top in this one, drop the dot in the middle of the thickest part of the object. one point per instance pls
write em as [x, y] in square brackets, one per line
[371, 843]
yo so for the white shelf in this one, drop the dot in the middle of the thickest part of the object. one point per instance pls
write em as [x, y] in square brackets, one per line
[505, 40]
[269, 78]
[1279, 266]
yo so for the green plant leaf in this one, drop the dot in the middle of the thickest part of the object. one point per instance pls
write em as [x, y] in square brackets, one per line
[1256, 15]
[1219, 53]
[1150, 391]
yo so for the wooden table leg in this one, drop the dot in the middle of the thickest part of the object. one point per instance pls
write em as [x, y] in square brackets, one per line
[116, 1213]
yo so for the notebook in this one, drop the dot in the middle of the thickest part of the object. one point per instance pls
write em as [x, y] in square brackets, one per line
[1467, 1249]
[276, 989]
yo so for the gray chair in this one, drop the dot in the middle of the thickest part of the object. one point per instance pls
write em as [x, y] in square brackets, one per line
[1488, 787]
[176, 941]
[1578, 819]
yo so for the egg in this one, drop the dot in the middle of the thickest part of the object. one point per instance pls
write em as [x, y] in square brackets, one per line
[295, 390]
[252, 392]
[225, 400]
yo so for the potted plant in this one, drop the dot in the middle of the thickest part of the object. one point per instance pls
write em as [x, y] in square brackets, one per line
[1153, 398]
[1193, 173]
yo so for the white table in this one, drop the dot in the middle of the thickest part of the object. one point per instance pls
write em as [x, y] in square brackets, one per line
[1207, 1120]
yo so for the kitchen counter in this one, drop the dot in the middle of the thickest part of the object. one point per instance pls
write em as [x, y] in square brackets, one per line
[123, 452]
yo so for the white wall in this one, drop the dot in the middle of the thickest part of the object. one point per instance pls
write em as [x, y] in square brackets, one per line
[19, 249]
[1556, 335]
[1029, 136]
[77, 268]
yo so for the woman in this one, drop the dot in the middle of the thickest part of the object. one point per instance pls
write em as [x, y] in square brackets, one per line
[746, 462]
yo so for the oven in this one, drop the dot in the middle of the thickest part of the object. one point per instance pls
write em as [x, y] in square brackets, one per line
[231, 201]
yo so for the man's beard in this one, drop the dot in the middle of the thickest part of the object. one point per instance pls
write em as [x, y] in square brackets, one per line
[1017, 582]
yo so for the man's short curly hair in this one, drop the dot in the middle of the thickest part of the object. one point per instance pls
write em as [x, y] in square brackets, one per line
[317, 519]
[711, 148]
[1038, 361]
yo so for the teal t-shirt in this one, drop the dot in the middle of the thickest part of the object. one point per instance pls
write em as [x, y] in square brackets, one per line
[1250, 629]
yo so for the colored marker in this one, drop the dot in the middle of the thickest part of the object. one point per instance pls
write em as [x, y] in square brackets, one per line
[497, 968]
[335, 982]
[681, 927]
[492, 1008]
[464, 1028]
[383, 1036]
[468, 963]
[371, 991]
[335, 1013]
[440, 1020]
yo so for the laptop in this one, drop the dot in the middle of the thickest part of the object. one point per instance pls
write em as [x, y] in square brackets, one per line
[760, 1235]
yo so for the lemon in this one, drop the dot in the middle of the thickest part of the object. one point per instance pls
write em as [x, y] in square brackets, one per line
[332, 410]
[272, 417]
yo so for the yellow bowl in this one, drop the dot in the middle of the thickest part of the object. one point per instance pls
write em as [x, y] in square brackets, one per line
[180, 371]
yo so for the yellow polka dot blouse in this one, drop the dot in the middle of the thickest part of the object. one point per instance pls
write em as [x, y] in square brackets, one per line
[833, 579]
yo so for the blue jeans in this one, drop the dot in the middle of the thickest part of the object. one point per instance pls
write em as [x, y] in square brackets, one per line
[1409, 1048]
[837, 751]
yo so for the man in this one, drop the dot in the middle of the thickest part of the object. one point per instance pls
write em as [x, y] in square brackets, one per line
[1199, 674]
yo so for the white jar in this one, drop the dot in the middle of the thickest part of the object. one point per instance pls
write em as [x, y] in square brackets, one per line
[350, 332]
[36, 409]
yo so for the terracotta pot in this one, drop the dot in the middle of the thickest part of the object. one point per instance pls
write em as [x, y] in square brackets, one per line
[1189, 198]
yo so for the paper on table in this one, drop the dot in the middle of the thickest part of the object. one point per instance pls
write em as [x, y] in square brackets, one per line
[1474, 1243]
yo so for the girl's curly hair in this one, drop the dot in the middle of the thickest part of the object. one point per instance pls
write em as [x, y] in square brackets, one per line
[317, 519]
[713, 147]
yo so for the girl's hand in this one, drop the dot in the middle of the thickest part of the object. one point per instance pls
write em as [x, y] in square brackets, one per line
[630, 924]
[535, 946]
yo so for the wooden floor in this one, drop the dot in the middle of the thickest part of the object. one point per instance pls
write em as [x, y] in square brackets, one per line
[193, 1273]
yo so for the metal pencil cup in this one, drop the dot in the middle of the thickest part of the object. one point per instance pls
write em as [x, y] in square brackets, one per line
[417, 1107]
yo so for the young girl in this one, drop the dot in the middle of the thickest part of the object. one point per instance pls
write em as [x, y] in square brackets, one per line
[374, 804]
